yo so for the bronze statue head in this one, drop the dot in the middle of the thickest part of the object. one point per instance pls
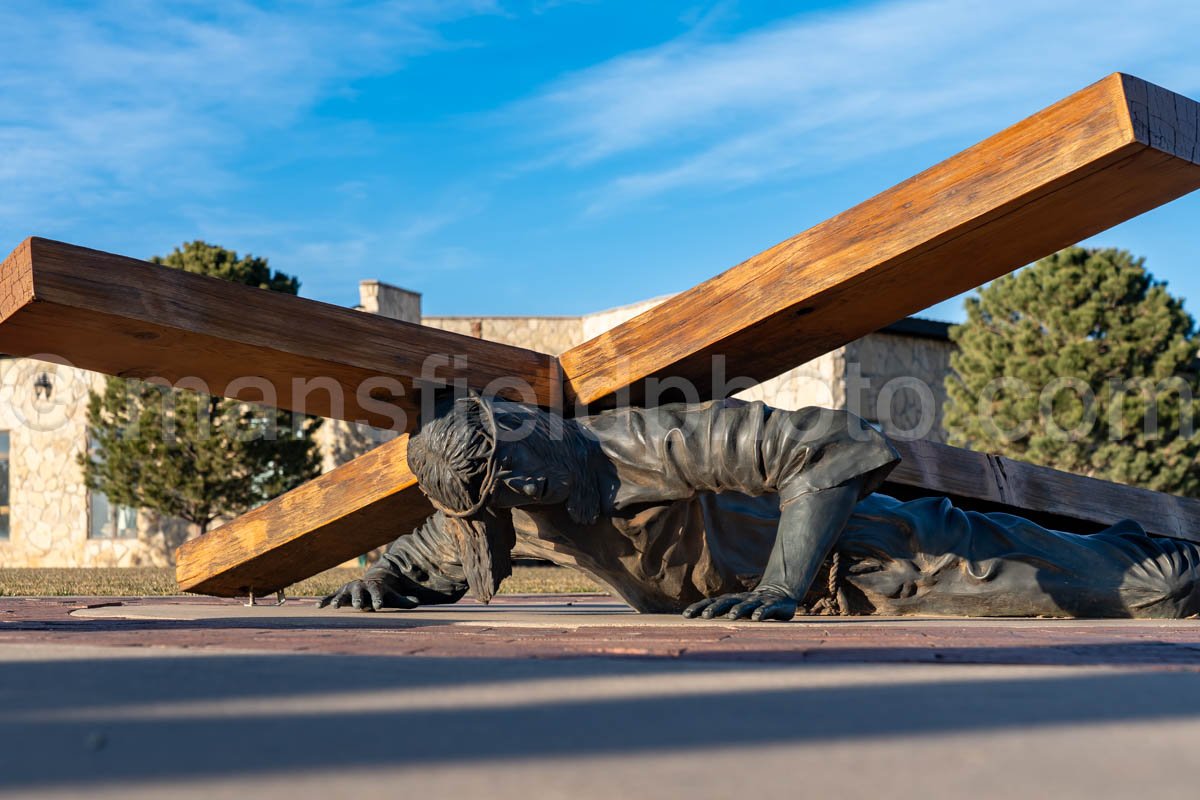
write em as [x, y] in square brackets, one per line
[454, 457]
[481, 457]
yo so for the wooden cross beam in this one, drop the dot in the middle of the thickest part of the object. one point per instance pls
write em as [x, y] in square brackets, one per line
[996, 483]
[134, 319]
[1107, 153]
[361, 505]
[1103, 155]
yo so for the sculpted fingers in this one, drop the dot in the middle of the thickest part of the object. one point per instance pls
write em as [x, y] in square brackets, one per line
[721, 605]
[350, 594]
[693, 611]
[747, 605]
[382, 597]
[745, 608]
[369, 595]
[376, 592]
[757, 606]
[359, 597]
[779, 610]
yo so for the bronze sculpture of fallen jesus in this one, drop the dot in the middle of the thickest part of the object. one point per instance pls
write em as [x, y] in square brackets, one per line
[741, 510]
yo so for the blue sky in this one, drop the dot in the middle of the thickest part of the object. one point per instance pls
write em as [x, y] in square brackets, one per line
[533, 157]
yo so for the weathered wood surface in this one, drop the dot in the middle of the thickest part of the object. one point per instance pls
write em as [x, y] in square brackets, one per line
[1001, 483]
[336, 517]
[134, 319]
[1101, 156]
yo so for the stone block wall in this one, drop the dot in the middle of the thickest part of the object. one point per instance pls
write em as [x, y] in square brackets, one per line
[815, 383]
[898, 382]
[592, 325]
[550, 335]
[891, 379]
[49, 504]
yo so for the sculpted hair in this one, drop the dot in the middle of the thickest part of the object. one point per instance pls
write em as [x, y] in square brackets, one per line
[452, 458]
[485, 542]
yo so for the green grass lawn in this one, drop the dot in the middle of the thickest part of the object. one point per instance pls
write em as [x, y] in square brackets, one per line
[160, 581]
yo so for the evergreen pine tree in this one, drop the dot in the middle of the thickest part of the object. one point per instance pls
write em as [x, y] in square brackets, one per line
[1082, 362]
[189, 455]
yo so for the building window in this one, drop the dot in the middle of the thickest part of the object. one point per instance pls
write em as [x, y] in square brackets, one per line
[109, 520]
[5, 527]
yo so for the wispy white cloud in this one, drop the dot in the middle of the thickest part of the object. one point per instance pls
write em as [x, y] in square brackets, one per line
[105, 100]
[403, 246]
[812, 93]
[544, 6]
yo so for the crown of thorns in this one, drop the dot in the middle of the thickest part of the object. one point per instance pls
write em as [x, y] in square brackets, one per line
[454, 457]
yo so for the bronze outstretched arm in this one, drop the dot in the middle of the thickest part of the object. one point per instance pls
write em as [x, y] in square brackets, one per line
[820, 462]
[809, 526]
[421, 568]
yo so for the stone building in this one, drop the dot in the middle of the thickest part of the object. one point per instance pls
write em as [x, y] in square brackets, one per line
[893, 378]
[48, 518]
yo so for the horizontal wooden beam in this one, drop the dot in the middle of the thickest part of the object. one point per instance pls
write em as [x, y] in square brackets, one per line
[1074, 502]
[342, 514]
[1101, 156]
[135, 319]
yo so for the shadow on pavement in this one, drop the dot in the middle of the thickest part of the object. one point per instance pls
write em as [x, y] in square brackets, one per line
[41, 751]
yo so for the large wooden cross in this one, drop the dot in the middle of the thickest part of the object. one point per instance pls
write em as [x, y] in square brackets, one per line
[1103, 155]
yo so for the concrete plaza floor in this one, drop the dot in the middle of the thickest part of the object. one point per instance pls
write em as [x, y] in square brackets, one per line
[575, 697]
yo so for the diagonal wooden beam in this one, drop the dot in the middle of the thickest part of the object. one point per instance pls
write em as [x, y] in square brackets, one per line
[1103, 155]
[338, 516]
[1107, 153]
[134, 319]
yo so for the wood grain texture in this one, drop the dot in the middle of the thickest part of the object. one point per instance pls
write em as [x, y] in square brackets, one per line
[16, 280]
[1101, 156]
[336, 517]
[134, 319]
[999, 483]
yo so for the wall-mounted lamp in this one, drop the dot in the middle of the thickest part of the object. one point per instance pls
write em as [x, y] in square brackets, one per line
[42, 387]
